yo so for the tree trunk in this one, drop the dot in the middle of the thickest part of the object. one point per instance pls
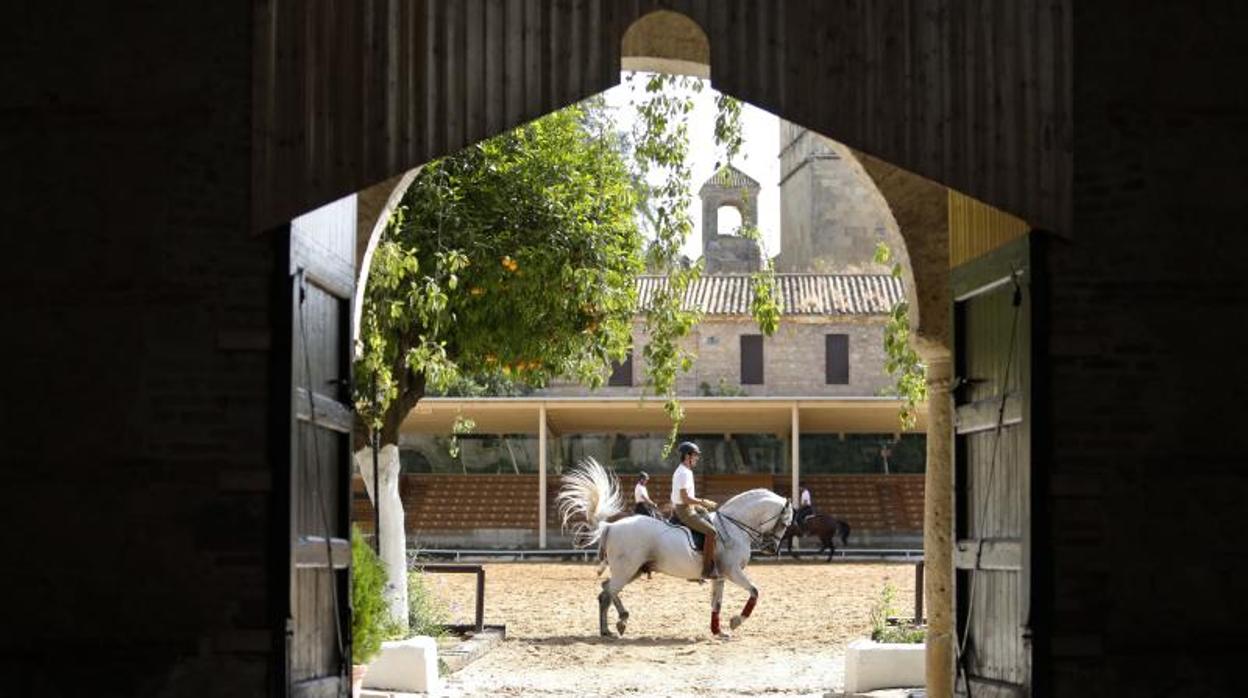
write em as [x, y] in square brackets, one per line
[392, 530]
[393, 535]
[411, 390]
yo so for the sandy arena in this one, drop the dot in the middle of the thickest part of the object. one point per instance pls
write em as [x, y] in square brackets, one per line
[793, 645]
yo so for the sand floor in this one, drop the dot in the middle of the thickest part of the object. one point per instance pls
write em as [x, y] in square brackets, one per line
[792, 645]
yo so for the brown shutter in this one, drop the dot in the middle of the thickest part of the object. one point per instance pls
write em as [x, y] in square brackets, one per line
[837, 359]
[622, 373]
[751, 359]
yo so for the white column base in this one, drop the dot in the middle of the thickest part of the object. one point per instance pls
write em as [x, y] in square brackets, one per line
[405, 665]
[873, 665]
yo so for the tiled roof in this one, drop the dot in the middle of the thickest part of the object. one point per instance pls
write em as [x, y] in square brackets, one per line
[800, 294]
[729, 177]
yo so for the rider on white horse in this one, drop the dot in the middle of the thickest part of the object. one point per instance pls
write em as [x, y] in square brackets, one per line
[589, 502]
[691, 511]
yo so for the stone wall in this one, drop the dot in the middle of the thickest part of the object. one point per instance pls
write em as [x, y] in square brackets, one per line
[831, 214]
[793, 359]
[731, 254]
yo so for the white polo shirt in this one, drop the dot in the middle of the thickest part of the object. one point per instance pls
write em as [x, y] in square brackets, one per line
[682, 479]
[640, 493]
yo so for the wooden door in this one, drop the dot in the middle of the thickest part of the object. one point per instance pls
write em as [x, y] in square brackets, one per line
[994, 298]
[321, 280]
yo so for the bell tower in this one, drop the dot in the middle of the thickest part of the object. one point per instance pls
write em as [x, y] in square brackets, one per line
[726, 253]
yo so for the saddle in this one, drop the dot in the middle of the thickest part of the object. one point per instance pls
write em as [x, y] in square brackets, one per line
[696, 538]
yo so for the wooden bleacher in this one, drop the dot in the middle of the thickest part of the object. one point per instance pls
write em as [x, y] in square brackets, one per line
[458, 502]
[877, 504]
[881, 504]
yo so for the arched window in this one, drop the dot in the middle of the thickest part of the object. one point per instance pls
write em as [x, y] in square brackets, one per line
[728, 220]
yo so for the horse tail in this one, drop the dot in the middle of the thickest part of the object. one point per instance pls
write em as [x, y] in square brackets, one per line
[589, 496]
[843, 529]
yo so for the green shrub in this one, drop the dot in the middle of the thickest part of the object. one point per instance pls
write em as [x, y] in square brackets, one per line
[425, 614]
[904, 633]
[885, 628]
[370, 624]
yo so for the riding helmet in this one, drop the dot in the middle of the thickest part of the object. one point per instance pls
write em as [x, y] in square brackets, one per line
[686, 448]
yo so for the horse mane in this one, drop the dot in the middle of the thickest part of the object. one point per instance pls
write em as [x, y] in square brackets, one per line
[747, 497]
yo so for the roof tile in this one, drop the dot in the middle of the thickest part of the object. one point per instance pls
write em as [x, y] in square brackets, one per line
[799, 294]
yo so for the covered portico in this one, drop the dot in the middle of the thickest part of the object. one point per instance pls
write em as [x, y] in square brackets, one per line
[550, 417]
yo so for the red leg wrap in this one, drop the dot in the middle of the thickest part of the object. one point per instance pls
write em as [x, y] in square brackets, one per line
[749, 606]
[714, 622]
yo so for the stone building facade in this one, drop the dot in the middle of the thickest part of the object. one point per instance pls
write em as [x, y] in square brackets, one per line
[832, 214]
[832, 219]
[794, 361]
[829, 346]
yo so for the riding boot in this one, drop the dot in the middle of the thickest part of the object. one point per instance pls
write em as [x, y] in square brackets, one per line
[708, 558]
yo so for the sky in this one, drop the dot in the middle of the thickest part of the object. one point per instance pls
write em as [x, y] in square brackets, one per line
[758, 157]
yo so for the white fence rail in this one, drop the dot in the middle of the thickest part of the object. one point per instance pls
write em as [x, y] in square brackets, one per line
[586, 554]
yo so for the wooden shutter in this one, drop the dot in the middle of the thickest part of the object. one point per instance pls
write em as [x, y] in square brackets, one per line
[751, 359]
[836, 359]
[622, 373]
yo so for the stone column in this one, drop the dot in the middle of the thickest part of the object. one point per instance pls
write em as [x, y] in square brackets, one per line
[795, 443]
[938, 528]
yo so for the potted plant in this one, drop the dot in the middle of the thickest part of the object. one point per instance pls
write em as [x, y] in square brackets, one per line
[893, 657]
[369, 620]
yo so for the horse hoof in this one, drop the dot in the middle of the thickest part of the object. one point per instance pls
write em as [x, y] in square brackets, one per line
[605, 633]
[723, 636]
[620, 626]
[736, 622]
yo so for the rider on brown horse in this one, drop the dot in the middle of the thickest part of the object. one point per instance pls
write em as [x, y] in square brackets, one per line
[643, 505]
[805, 506]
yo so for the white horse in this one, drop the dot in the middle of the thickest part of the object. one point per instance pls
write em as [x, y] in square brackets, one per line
[590, 496]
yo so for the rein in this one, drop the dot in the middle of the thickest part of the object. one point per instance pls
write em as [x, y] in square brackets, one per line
[756, 535]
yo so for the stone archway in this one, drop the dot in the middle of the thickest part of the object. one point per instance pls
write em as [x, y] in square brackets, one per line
[666, 42]
[920, 208]
[671, 42]
[374, 206]
[661, 41]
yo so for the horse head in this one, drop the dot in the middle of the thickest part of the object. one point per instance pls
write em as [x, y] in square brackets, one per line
[763, 514]
[777, 532]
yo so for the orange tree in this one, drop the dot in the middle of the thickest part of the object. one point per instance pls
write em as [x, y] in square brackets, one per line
[512, 260]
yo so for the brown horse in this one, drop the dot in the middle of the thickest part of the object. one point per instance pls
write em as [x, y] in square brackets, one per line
[824, 526]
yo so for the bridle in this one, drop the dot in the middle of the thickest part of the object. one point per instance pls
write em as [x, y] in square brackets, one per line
[762, 535]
